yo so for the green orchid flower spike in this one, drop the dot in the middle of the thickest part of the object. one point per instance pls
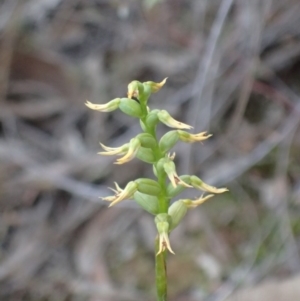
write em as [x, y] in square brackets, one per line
[155, 195]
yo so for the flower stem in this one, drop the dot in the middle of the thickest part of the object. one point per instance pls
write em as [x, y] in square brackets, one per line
[160, 273]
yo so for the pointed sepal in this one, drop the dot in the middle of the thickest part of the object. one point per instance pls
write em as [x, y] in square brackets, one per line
[199, 184]
[107, 107]
[121, 194]
[155, 87]
[169, 121]
[191, 138]
[133, 148]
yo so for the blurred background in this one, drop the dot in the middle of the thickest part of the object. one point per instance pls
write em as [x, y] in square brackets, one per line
[233, 69]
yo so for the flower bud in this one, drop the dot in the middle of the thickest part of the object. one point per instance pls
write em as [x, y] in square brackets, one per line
[130, 107]
[146, 140]
[163, 217]
[148, 186]
[168, 120]
[146, 155]
[147, 202]
[159, 168]
[152, 119]
[170, 169]
[163, 221]
[168, 140]
[177, 211]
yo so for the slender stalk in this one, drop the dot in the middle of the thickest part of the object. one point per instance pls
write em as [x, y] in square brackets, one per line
[160, 273]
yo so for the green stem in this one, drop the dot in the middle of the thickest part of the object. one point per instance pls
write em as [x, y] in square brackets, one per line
[163, 203]
[160, 273]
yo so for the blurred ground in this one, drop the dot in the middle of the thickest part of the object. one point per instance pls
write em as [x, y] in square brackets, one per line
[233, 68]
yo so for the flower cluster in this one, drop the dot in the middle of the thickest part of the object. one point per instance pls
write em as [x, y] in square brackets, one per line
[155, 195]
